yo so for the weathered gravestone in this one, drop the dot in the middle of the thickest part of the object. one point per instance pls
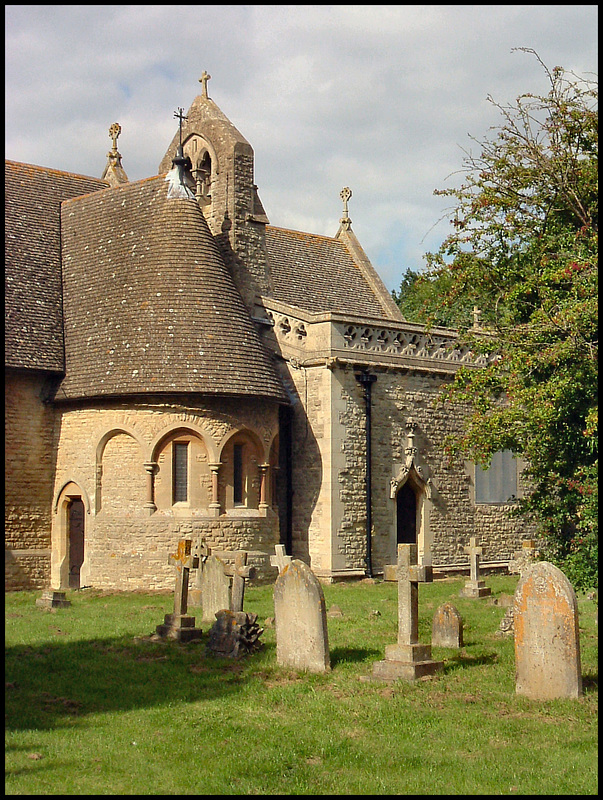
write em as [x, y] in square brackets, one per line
[215, 588]
[447, 627]
[407, 659]
[547, 640]
[280, 559]
[201, 552]
[300, 619]
[180, 625]
[523, 558]
[522, 561]
[240, 572]
[234, 634]
[474, 587]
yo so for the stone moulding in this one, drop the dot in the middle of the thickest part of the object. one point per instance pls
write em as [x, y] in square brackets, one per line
[328, 337]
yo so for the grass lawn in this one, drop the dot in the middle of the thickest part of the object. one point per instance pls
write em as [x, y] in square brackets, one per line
[94, 707]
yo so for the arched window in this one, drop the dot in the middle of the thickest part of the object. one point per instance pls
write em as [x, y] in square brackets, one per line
[240, 473]
[183, 478]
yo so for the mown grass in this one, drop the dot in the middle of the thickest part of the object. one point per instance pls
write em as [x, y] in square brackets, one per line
[93, 706]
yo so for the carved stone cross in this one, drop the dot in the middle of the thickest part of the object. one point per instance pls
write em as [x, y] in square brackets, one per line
[280, 560]
[205, 77]
[408, 594]
[114, 132]
[345, 195]
[474, 587]
[184, 561]
[474, 553]
[240, 573]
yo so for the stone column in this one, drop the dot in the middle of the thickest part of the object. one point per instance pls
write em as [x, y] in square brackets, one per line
[150, 467]
[214, 506]
[263, 485]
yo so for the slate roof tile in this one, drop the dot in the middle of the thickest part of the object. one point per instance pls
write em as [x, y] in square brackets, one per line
[32, 277]
[318, 274]
[149, 304]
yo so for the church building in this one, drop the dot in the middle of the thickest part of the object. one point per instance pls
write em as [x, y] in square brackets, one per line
[176, 366]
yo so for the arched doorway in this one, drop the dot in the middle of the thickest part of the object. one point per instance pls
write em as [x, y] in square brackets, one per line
[75, 527]
[406, 515]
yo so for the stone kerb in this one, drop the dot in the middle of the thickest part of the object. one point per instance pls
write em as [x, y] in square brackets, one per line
[300, 619]
[547, 639]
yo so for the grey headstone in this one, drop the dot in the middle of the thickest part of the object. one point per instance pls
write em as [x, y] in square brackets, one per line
[300, 619]
[547, 639]
[447, 627]
[215, 588]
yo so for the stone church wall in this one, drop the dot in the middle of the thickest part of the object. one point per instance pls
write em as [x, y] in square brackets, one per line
[29, 467]
[103, 449]
[330, 472]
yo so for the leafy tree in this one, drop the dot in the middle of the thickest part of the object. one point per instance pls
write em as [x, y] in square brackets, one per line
[524, 249]
[418, 300]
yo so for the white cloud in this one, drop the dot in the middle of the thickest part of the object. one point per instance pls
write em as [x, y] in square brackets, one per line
[378, 98]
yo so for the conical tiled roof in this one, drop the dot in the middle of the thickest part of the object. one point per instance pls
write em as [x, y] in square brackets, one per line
[149, 305]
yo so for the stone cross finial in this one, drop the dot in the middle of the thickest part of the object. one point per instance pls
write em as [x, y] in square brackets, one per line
[205, 77]
[280, 560]
[184, 561]
[345, 195]
[114, 132]
[240, 572]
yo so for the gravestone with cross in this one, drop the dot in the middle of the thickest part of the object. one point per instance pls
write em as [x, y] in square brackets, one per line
[474, 587]
[201, 552]
[240, 573]
[280, 559]
[407, 659]
[179, 625]
[523, 558]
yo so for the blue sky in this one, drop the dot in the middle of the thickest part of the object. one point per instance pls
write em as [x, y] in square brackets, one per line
[382, 99]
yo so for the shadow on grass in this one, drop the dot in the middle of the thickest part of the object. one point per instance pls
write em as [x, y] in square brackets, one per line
[590, 683]
[47, 685]
[463, 660]
[343, 655]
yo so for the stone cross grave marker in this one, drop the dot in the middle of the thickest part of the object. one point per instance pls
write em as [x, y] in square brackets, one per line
[407, 658]
[300, 619]
[240, 572]
[523, 558]
[281, 559]
[474, 587]
[179, 625]
[447, 627]
[201, 552]
[547, 639]
[215, 588]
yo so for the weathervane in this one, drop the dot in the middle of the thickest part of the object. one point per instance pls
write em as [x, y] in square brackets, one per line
[180, 116]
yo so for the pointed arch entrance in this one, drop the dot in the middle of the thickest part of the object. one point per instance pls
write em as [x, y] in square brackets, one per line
[69, 560]
[406, 515]
[411, 489]
[75, 528]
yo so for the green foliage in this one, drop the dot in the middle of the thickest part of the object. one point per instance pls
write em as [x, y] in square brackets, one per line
[524, 249]
[418, 300]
